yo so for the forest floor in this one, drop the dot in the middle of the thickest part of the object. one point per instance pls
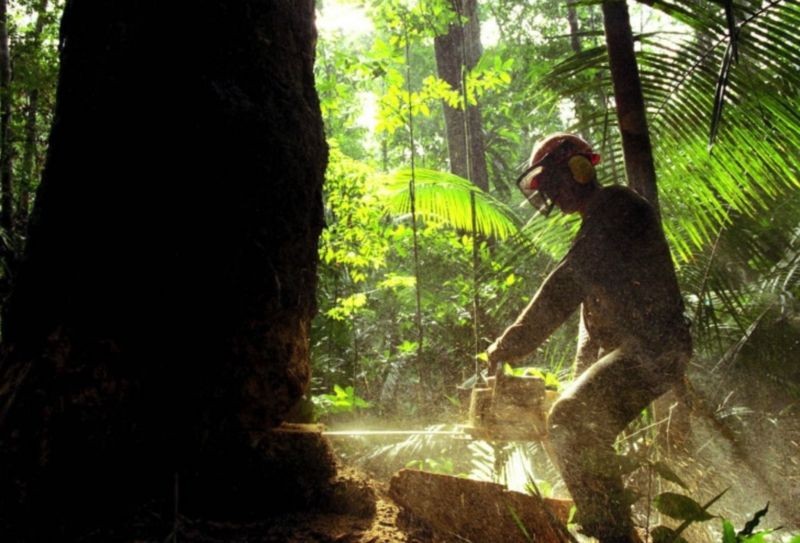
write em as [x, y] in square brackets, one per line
[757, 459]
[313, 527]
[385, 523]
[370, 518]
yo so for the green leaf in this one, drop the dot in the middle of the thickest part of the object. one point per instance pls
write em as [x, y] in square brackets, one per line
[680, 507]
[758, 537]
[343, 400]
[447, 198]
[394, 280]
[728, 533]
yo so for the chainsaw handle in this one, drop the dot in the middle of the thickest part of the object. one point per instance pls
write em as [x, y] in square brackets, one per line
[494, 363]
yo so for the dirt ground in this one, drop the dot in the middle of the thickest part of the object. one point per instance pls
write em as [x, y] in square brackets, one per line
[367, 515]
[312, 527]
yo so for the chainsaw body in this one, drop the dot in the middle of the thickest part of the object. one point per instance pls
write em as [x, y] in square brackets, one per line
[510, 408]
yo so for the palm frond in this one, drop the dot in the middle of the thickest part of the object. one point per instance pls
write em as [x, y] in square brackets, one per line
[689, 78]
[446, 198]
[729, 211]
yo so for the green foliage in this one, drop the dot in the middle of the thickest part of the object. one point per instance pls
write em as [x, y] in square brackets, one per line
[551, 380]
[445, 198]
[342, 400]
[367, 283]
[353, 215]
[748, 533]
[32, 27]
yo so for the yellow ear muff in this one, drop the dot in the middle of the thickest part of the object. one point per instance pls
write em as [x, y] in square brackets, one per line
[581, 168]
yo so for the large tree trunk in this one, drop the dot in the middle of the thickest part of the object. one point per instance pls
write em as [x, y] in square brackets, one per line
[631, 113]
[162, 309]
[461, 46]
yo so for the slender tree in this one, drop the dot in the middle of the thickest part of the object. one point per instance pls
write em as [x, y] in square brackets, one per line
[631, 114]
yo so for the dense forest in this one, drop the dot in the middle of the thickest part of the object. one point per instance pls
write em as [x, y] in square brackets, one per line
[428, 254]
[143, 163]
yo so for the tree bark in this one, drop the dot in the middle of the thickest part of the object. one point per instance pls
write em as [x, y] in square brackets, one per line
[631, 114]
[162, 308]
[574, 30]
[461, 46]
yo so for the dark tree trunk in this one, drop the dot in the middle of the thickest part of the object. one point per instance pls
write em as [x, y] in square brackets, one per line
[162, 308]
[631, 114]
[574, 29]
[462, 44]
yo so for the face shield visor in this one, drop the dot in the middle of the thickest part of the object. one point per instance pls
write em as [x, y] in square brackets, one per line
[529, 185]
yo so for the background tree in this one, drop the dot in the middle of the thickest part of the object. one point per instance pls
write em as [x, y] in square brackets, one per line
[457, 52]
[629, 102]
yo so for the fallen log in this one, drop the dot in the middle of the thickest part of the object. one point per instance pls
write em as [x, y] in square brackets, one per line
[479, 511]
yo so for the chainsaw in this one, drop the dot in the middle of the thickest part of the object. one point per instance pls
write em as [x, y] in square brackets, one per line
[502, 408]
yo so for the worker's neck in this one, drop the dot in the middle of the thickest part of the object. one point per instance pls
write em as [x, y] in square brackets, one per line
[586, 200]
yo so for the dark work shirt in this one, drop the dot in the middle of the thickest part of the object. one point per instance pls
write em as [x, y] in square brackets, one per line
[619, 267]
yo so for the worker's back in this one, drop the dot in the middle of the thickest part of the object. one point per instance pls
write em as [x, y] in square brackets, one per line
[631, 292]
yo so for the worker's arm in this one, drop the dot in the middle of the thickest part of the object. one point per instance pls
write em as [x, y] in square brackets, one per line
[560, 294]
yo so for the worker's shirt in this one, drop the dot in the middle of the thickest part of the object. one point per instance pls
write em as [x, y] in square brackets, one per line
[619, 268]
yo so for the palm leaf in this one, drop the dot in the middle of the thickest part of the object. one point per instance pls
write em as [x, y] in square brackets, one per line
[727, 214]
[445, 198]
[686, 80]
